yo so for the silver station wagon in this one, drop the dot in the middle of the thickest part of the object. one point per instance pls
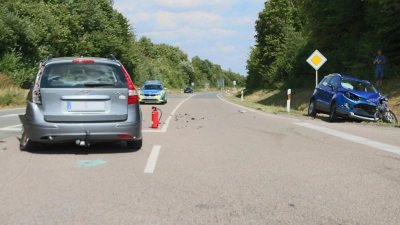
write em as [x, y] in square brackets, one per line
[82, 100]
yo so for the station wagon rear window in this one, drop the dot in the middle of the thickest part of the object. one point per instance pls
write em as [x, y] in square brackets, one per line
[79, 75]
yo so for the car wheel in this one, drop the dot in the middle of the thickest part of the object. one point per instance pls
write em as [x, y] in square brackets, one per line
[134, 145]
[389, 117]
[332, 115]
[26, 144]
[311, 109]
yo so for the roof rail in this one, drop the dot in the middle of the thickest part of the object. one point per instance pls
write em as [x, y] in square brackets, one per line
[50, 57]
[111, 56]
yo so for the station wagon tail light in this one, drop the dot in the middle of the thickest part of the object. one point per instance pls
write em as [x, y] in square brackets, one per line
[132, 92]
[83, 61]
[36, 97]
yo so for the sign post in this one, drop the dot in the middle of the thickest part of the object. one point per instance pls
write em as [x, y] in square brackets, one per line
[206, 86]
[289, 93]
[316, 60]
[221, 83]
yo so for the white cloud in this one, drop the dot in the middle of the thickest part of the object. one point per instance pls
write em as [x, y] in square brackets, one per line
[212, 29]
[190, 33]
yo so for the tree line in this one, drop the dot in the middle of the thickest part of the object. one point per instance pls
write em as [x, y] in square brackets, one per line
[347, 32]
[30, 30]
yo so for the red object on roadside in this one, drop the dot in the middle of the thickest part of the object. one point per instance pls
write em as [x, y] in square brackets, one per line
[154, 118]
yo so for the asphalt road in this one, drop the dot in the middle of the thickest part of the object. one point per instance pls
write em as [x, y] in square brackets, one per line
[211, 162]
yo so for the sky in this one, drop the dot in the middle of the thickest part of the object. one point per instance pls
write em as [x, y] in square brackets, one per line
[221, 31]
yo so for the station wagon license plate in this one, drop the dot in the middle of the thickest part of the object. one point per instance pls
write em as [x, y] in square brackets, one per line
[86, 106]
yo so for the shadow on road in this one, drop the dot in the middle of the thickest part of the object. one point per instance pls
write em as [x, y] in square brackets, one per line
[96, 148]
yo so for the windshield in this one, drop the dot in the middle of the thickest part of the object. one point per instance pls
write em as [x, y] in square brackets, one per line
[357, 86]
[78, 75]
[152, 87]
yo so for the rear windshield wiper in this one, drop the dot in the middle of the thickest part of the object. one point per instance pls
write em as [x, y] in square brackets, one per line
[99, 84]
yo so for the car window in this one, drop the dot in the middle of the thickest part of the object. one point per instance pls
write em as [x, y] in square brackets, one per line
[152, 87]
[334, 81]
[326, 81]
[78, 75]
[357, 85]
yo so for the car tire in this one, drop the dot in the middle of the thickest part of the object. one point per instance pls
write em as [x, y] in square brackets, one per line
[25, 144]
[312, 111]
[333, 115]
[134, 145]
[389, 117]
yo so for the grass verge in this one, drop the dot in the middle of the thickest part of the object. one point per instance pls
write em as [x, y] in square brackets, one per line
[12, 97]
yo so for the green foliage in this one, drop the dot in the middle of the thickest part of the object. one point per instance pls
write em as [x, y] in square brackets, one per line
[31, 30]
[348, 33]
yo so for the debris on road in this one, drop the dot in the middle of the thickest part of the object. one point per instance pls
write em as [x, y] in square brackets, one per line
[242, 111]
[1, 141]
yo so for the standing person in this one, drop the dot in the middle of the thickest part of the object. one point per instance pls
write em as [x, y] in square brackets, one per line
[380, 62]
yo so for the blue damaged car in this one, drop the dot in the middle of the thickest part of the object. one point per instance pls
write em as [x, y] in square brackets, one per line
[153, 92]
[351, 98]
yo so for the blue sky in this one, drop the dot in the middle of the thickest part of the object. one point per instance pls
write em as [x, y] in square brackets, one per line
[219, 30]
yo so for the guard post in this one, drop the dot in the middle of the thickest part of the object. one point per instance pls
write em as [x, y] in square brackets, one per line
[289, 93]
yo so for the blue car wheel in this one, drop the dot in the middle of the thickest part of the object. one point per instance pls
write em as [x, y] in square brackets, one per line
[333, 115]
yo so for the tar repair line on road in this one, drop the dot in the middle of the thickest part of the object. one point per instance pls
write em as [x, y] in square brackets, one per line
[353, 138]
[151, 163]
[165, 127]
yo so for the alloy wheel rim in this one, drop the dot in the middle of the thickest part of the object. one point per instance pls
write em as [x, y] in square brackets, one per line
[390, 117]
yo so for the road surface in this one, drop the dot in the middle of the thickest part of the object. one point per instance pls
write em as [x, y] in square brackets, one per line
[211, 162]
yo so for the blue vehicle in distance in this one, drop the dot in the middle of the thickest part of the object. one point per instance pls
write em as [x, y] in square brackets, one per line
[351, 98]
[153, 92]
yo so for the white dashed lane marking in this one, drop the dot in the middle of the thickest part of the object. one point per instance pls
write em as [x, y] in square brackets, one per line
[151, 163]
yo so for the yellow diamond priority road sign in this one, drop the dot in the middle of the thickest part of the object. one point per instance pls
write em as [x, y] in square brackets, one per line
[316, 60]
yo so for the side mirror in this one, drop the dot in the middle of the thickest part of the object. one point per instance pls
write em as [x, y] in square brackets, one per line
[26, 85]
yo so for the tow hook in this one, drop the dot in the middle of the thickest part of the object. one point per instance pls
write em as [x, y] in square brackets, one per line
[87, 140]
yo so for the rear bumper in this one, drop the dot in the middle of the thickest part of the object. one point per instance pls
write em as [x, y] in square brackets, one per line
[65, 132]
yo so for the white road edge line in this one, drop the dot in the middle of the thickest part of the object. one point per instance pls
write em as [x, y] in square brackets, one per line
[353, 138]
[165, 127]
[11, 128]
[152, 161]
[9, 115]
[243, 107]
[252, 110]
[2, 110]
